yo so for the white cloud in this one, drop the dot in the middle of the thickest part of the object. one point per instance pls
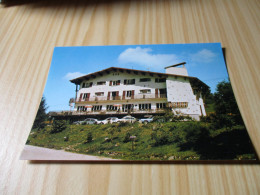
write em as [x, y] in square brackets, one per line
[144, 57]
[73, 75]
[204, 55]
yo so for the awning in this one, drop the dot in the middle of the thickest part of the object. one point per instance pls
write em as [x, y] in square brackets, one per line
[88, 106]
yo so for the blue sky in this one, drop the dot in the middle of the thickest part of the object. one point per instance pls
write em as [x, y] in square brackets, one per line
[204, 60]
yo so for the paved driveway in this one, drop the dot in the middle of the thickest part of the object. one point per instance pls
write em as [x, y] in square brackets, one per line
[39, 153]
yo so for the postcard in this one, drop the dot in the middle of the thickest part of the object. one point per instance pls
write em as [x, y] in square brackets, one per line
[166, 102]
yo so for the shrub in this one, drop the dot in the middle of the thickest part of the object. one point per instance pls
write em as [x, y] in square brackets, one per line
[123, 124]
[196, 132]
[168, 116]
[58, 126]
[160, 137]
[89, 137]
[127, 137]
[159, 119]
[66, 138]
[223, 120]
[209, 118]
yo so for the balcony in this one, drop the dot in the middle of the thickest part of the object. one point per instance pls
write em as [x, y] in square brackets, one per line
[111, 98]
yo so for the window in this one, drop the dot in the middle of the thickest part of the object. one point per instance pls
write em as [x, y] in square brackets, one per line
[160, 80]
[128, 93]
[145, 79]
[97, 108]
[101, 83]
[127, 107]
[129, 81]
[112, 108]
[99, 93]
[163, 93]
[145, 106]
[86, 85]
[180, 104]
[113, 83]
[86, 95]
[81, 108]
[160, 105]
[144, 91]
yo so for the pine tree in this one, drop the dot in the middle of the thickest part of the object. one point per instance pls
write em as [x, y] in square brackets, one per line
[41, 116]
[225, 104]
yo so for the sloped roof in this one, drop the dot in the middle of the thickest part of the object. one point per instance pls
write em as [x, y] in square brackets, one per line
[130, 71]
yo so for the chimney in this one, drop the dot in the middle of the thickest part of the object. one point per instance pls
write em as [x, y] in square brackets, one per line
[176, 69]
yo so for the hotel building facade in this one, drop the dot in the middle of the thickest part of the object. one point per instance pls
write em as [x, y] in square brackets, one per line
[127, 91]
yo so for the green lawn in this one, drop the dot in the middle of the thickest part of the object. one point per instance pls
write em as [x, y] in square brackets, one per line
[154, 141]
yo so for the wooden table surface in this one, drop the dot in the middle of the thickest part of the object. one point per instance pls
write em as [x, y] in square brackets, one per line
[28, 34]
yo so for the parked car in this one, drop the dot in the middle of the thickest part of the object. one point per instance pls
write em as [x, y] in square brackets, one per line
[146, 119]
[128, 118]
[109, 120]
[88, 121]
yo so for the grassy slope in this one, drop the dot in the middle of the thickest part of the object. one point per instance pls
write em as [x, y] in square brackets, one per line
[144, 145]
[117, 148]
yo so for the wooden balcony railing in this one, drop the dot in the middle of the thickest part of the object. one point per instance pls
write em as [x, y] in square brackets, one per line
[137, 96]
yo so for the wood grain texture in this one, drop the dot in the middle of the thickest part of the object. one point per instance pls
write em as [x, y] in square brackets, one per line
[28, 34]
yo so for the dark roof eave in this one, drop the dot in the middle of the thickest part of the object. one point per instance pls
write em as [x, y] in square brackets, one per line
[174, 65]
[80, 79]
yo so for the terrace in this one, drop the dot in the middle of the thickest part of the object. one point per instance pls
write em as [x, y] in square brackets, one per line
[104, 112]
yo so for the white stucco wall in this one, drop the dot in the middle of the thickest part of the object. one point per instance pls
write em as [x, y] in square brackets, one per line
[177, 71]
[179, 90]
[122, 76]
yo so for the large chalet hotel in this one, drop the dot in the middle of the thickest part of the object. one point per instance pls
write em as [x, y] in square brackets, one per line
[115, 91]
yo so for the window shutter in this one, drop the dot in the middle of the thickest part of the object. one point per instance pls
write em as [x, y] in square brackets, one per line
[123, 95]
[110, 84]
[108, 96]
[133, 94]
[88, 95]
[156, 93]
[80, 97]
[117, 94]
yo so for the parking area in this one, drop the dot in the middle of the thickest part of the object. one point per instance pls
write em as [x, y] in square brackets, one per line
[110, 120]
